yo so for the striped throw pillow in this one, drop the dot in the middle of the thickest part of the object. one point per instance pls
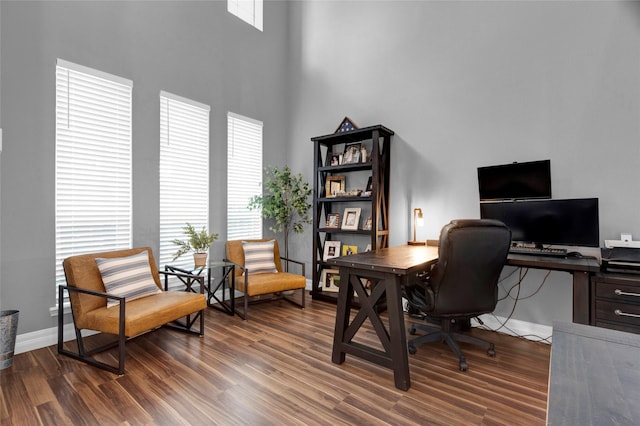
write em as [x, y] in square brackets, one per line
[128, 277]
[258, 257]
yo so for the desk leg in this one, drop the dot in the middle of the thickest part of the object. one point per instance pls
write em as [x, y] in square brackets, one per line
[581, 300]
[394, 355]
[399, 355]
[343, 313]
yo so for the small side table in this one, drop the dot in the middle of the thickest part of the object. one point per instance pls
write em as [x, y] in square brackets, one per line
[213, 301]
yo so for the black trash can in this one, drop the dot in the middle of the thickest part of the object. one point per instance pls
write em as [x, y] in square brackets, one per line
[8, 331]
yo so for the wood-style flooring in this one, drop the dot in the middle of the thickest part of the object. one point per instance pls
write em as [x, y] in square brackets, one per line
[276, 369]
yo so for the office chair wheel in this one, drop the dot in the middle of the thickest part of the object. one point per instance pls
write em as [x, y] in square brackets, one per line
[463, 366]
[412, 330]
[412, 348]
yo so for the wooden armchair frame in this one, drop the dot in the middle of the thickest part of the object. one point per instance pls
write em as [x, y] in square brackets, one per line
[132, 319]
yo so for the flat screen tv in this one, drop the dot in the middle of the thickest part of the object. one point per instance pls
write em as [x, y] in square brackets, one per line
[572, 222]
[515, 181]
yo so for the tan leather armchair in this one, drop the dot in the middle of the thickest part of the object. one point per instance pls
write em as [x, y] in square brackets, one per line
[257, 284]
[129, 318]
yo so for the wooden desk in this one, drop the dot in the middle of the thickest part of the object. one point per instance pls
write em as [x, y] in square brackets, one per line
[581, 270]
[594, 378]
[388, 270]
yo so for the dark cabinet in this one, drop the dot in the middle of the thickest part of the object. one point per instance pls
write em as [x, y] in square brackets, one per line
[350, 199]
[615, 299]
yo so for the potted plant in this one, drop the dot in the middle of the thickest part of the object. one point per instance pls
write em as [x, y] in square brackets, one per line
[285, 200]
[198, 241]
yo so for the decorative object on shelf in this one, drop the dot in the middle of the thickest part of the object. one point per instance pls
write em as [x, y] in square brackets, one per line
[351, 154]
[199, 242]
[286, 201]
[330, 280]
[347, 250]
[363, 154]
[367, 248]
[346, 125]
[334, 186]
[331, 250]
[351, 218]
[367, 224]
[418, 220]
[333, 221]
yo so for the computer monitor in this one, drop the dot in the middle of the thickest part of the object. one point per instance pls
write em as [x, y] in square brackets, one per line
[515, 181]
[571, 222]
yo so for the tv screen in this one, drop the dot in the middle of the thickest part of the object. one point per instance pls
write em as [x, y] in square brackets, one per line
[515, 181]
[572, 222]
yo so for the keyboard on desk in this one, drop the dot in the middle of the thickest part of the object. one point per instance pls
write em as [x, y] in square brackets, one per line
[534, 251]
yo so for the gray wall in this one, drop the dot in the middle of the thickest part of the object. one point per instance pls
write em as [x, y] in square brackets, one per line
[193, 49]
[468, 84]
[463, 84]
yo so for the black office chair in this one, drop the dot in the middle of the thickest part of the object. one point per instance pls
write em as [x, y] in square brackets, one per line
[462, 284]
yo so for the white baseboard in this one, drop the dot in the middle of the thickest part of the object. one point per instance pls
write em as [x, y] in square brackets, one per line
[47, 337]
[42, 338]
[514, 327]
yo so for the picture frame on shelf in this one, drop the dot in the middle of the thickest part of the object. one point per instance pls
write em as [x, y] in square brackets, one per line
[333, 221]
[330, 280]
[367, 224]
[369, 184]
[351, 218]
[334, 185]
[348, 250]
[351, 153]
[333, 159]
[331, 250]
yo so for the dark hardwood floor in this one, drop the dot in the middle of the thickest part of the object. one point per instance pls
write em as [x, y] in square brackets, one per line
[276, 369]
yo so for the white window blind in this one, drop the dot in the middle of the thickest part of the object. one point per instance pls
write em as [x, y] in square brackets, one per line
[184, 172]
[244, 176]
[93, 162]
[249, 11]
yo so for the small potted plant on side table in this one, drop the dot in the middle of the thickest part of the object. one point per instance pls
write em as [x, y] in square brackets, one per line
[198, 241]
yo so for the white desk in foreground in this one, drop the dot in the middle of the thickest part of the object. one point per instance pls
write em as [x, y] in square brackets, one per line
[594, 378]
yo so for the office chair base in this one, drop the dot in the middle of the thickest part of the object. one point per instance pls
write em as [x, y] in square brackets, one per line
[449, 337]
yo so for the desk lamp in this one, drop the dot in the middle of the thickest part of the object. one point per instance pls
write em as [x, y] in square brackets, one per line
[418, 220]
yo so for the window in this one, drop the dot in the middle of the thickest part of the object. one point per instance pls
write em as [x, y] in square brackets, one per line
[93, 162]
[244, 176]
[249, 11]
[184, 172]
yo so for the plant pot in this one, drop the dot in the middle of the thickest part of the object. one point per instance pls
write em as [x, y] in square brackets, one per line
[8, 330]
[200, 259]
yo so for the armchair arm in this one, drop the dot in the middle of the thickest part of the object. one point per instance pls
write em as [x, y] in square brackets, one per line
[297, 262]
[91, 292]
[238, 266]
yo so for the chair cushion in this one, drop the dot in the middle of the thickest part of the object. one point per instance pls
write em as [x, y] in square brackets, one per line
[146, 313]
[271, 283]
[128, 277]
[258, 257]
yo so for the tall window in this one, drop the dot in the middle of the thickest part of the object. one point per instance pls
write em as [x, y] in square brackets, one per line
[244, 176]
[249, 11]
[184, 171]
[93, 162]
